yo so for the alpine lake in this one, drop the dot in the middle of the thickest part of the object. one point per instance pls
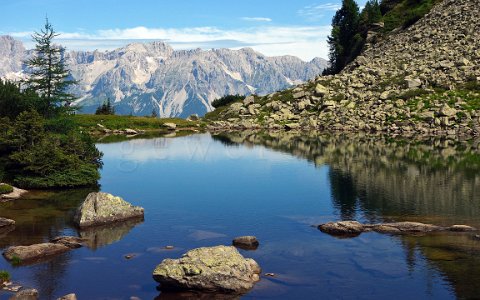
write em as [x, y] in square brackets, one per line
[206, 189]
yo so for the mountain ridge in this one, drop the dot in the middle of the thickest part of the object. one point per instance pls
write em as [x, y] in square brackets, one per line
[142, 77]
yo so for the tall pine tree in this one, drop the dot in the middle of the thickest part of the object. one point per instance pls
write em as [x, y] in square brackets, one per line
[49, 76]
[345, 43]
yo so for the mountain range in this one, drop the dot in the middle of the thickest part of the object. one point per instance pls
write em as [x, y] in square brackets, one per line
[144, 77]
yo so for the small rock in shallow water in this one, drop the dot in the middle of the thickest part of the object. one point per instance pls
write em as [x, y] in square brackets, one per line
[344, 228]
[461, 228]
[71, 242]
[68, 297]
[26, 254]
[246, 242]
[27, 294]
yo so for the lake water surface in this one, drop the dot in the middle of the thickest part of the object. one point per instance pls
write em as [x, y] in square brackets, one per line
[204, 190]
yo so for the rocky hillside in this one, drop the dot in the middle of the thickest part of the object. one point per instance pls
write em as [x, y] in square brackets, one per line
[140, 78]
[424, 79]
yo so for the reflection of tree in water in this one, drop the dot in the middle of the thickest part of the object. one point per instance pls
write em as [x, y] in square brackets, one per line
[344, 195]
[39, 218]
[48, 275]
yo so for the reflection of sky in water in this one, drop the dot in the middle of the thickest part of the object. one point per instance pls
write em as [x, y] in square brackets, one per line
[198, 192]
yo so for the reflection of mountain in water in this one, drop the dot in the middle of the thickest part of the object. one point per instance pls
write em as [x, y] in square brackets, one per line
[380, 179]
[101, 236]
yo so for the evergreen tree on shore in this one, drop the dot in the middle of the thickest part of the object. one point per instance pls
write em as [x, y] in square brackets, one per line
[344, 41]
[50, 77]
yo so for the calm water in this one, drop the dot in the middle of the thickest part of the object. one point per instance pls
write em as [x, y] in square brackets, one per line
[201, 190]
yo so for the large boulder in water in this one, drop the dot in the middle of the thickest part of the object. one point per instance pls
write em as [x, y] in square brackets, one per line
[102, 208]
[212, 269]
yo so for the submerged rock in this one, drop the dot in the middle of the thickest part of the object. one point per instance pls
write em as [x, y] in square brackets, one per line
[37, 252]
[71, 242]
[354, 228]
[33, 252]
[246, 242]
[4, 222]
[102, 208]
[211, 269]
[68, 297]
[26, 294]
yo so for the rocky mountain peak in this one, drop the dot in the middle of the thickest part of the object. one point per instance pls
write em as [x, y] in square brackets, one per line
[142, 77]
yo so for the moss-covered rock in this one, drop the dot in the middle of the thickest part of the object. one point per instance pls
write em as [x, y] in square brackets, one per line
[211, 269]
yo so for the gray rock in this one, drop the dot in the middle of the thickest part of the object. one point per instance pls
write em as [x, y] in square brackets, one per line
[16, 194]
[246, 242]
[4, 222]
[461, 228]
[320, 90]
[249, 100]
[413, 83]
[68, 297]
[27, 254]
[170, 126]
[344, 228]
[130, 131]
[102, 208]
[212, 269]
[25, 294]
[292, 126]
[447, 111]
[71, 242]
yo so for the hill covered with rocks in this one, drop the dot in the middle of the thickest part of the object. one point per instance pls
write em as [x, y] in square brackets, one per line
[423, 79]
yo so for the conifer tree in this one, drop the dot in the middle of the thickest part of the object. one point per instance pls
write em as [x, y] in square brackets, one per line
[50, 77]
[344, 40]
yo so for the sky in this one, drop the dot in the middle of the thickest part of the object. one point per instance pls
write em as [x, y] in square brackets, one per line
[272, 27]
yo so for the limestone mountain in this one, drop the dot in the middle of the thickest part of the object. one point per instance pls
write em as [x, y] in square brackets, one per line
[422, 79]
[142, 77]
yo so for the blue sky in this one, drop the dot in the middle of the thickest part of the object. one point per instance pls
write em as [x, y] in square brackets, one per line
[272, 27]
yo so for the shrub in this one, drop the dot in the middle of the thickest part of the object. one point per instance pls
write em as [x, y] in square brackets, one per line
[4, 276]
[225, 100]
[5, 189]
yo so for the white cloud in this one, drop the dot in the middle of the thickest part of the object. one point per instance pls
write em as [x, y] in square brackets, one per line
[257, 19]
[317, 11]
[306, 42]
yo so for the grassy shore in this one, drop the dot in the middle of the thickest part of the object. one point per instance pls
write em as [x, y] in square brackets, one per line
[115, 122]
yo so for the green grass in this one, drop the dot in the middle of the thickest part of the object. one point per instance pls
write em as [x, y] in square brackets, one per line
[407, 13]
[16, 261]
[4, 276]
[5, 189]
[113, 122]
[217, 113]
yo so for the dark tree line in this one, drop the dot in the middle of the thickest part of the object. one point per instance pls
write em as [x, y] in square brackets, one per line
[349, 32]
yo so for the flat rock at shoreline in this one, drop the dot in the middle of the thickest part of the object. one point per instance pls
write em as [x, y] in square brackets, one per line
[16, 194]
[102, 208]
[354, 228]
[38, 252]
[211, 269]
